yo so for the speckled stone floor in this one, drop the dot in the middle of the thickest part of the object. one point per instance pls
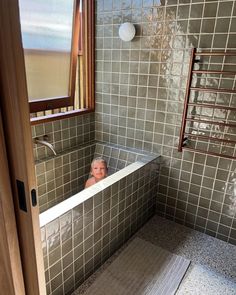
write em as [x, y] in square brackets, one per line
[213, 262]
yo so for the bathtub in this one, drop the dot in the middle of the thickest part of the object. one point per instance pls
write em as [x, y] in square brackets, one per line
[64, 175]
[79, 234]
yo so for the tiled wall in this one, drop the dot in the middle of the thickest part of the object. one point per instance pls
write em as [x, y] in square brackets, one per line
[59, 177]
[63, 134]
[78, 242]
[62, 176]
[140, 87]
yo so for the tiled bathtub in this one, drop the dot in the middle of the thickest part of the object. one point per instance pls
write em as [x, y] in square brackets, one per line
[64, 175]
[81, 232]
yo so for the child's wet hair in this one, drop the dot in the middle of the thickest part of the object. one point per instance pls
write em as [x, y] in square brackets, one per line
[100, 160]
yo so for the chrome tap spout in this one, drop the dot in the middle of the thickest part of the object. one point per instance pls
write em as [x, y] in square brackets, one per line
[45, 143]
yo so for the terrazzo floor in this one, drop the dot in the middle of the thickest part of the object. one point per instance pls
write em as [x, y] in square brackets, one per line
[213, 262]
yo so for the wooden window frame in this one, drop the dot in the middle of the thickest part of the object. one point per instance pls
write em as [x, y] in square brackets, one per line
[84, 32]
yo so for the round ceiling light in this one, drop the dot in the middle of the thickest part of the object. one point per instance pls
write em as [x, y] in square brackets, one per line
[127, 31]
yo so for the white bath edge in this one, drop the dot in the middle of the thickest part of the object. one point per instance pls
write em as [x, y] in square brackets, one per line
[70, 203]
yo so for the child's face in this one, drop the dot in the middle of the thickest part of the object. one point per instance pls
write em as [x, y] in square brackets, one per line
[99, 170]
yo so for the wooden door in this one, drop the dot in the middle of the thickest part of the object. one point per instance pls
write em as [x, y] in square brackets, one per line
[17, 131]
[11, 277]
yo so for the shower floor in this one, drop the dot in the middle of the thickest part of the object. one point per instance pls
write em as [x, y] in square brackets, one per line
[213, 262]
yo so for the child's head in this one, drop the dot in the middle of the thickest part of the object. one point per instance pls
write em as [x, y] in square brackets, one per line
[98, 168]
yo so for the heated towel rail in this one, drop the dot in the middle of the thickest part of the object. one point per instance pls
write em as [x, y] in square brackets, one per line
[209, 115]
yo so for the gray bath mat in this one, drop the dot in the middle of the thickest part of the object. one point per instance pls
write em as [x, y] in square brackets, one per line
[141, 269]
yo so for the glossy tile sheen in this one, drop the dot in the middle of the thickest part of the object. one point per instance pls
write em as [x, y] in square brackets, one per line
[154, 66]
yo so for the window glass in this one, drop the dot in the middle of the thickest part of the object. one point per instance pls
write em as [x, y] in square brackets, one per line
[47, 28]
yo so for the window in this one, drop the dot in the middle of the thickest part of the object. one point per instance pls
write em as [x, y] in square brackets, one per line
[58, 42]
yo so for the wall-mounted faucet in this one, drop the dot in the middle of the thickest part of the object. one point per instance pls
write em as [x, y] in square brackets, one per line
[45, 143]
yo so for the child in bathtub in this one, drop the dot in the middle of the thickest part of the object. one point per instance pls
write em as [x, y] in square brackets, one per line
[98, 171]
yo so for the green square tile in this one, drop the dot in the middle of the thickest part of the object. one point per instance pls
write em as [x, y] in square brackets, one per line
[225, 8]
[56, 283]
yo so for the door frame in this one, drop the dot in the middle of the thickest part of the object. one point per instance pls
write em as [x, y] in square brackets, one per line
[19, 147]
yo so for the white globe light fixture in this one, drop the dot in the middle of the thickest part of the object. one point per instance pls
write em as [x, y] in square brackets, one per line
[127, 32]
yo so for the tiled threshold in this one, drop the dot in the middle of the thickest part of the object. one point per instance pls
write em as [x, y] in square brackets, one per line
[213, 262]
